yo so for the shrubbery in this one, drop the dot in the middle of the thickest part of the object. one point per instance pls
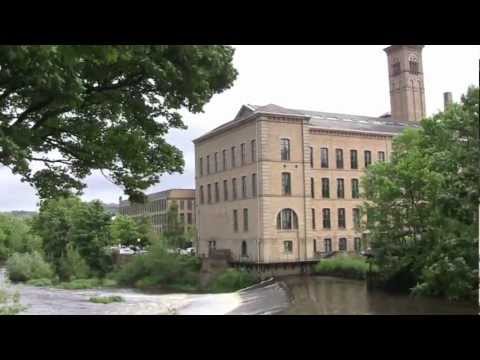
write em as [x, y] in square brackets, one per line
[10, 303]
[16, 236]
[344, 266]
[159, 268]
[24, 267]
[232, 280]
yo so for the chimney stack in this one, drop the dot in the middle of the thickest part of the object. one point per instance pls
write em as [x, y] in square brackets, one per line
[447, 100]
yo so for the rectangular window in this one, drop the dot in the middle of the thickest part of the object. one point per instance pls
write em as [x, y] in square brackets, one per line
[381, 156]
[189, 204]
[254, 185]
[245, 219]
[243, 154]
[234, 188]
[288, 247]
[208, 164]
[286, 188]
[209, 193]
[342, 244]
[313, 219]
[225, 190]
[215, 161]
[357, 243]
[328, 245]
[368, 158]
[339, 156]
[182, 205]
[396, 69]
[356, 217]
[312, 188]
[353, 159]
[341, 218]
[189, 218]
[253, 150]
[182, 218]
[355, 189]
[325, 188]
[244, 187]
[235, 220]
[217, 193]
[326, 218]
[233, 157]
[324, 158]
[202, 200]
[285, 149]
[224, 159]
[311, 156]
[340, 189]
[200, 166]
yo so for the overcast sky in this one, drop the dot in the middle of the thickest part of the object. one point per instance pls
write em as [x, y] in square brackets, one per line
[343, 79]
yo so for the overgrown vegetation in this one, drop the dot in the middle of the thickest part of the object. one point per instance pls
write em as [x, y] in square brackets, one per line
[16, 236]
[422, 206]
[106, 299]
[232, 280]
[28, 266]
[10, 303]
[344, 266]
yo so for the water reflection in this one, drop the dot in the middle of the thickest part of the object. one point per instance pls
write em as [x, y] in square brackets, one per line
[334, 296]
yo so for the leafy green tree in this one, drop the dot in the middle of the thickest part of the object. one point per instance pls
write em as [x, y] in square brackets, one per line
[16, 236]
[174, 234]
[423, 205]
[125, 230]
[74, 109]
[68, 222]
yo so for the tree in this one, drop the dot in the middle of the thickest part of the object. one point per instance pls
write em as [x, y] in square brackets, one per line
[16, 236]
[423, 205]
[131, 232]
[74, 109]
[85, 227]
[174, 234]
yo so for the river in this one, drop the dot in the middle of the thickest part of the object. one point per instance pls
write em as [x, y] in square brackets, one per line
[295, 295]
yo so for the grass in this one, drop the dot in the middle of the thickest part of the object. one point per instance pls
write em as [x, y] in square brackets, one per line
[232, 280]
[347, 267]
[40, 282]
[106, 299]
[80, 284]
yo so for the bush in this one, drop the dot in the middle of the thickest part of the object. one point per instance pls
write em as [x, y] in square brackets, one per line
[158, 268]
[232, 280]
[348, 267]
[24, 267]
[106, 299]
[16, 236]
[73, 266]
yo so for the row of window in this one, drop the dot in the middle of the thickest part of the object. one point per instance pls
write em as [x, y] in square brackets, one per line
[339, 159]
[153, 206]
[412, 64]
[162, 219]
[287, 187]
[245, 220]
[287, 219]
[327, 245]
[226, 193]
[233, 159]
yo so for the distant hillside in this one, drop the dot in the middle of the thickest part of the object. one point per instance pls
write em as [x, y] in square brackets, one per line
[20, 213]
[111, 208]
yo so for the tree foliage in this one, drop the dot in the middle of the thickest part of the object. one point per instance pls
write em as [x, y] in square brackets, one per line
[75, 109]
[16, 236]
[68, 223]
[423, 205]
[131, 232]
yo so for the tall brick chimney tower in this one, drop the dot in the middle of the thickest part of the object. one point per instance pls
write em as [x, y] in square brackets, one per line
[447, 100]
[405, 73]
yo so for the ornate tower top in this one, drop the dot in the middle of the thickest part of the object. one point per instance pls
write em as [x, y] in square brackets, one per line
[405, 72]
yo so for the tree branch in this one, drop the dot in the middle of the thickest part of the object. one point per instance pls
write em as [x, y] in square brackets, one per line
[38, 106]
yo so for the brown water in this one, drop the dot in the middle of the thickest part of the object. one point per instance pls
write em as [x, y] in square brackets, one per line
[319, 295]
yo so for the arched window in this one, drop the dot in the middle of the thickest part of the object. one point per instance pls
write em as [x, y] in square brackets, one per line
[244, 248]
[413, 63]
[287, 220]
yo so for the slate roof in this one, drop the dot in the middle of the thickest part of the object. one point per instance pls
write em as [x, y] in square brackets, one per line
[322, 120]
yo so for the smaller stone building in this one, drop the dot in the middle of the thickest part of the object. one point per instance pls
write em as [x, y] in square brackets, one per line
[157, 205]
